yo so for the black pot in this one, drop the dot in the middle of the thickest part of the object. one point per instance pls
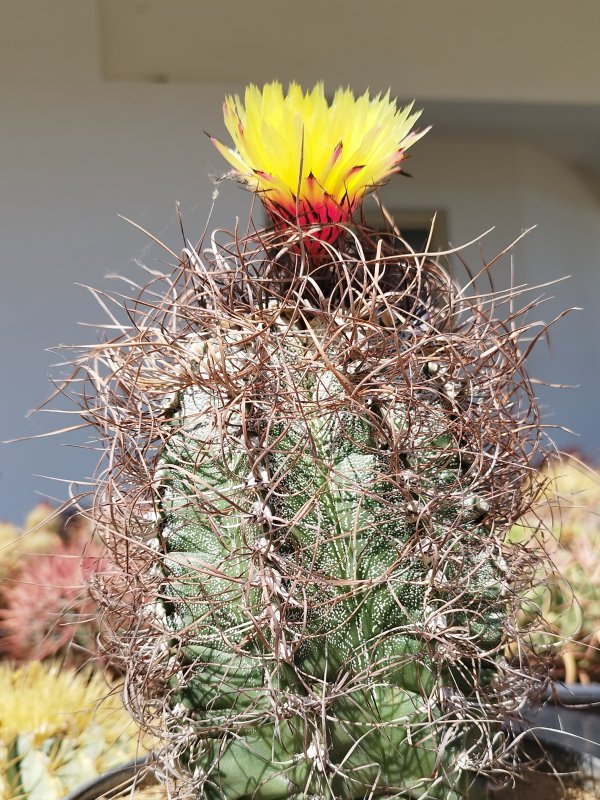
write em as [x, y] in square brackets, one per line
[569, 717]
[562, 733]
[116, 781]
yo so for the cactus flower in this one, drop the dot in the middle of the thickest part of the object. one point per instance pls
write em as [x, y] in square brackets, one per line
[312, 162]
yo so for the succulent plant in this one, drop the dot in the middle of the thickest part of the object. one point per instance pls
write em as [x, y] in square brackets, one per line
[58, 729]
[40, 534]
[47, 606]
[317, 442]
[564, 522]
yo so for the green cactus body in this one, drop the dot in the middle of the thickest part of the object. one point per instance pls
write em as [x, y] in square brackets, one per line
[297, 573]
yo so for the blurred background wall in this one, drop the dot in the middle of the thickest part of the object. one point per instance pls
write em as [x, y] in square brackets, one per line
[103, 108]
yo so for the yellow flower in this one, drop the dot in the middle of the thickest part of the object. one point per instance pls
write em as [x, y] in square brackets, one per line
[310, 162]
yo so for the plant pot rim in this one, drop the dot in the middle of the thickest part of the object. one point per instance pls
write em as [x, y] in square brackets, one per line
[573, 694]
[118, 779]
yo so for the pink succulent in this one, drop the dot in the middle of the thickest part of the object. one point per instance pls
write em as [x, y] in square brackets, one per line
[48, 608]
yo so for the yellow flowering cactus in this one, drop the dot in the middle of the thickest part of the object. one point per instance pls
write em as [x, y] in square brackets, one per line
[316, 443]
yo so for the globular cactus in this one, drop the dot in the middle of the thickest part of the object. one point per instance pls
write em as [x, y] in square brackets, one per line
[319, 441]
[48, 610]
[40, 534]
[58, 729]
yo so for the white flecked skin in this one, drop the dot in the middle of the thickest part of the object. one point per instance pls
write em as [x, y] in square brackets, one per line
[321, 556]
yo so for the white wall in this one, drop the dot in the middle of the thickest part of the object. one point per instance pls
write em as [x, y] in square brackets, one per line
[534, 51]
[566, 210]
[75, 152]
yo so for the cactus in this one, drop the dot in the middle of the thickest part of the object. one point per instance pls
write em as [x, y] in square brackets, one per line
[318, 441]
[48, 609]
[564, 523]
[40, 534]
[58, 729]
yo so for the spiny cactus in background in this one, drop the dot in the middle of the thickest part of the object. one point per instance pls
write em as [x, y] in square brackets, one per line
[58, 729]
[317, 441]
[40, 534]
[47, 606]
[565, 522]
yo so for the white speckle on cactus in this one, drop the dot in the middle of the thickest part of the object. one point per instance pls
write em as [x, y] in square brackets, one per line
[475, 506]
[154, 544]
[463, 762]
[175, 621]
[452, 390]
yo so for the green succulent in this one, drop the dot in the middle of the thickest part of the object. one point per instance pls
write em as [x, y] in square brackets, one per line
[332, 579]
[564, 523]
